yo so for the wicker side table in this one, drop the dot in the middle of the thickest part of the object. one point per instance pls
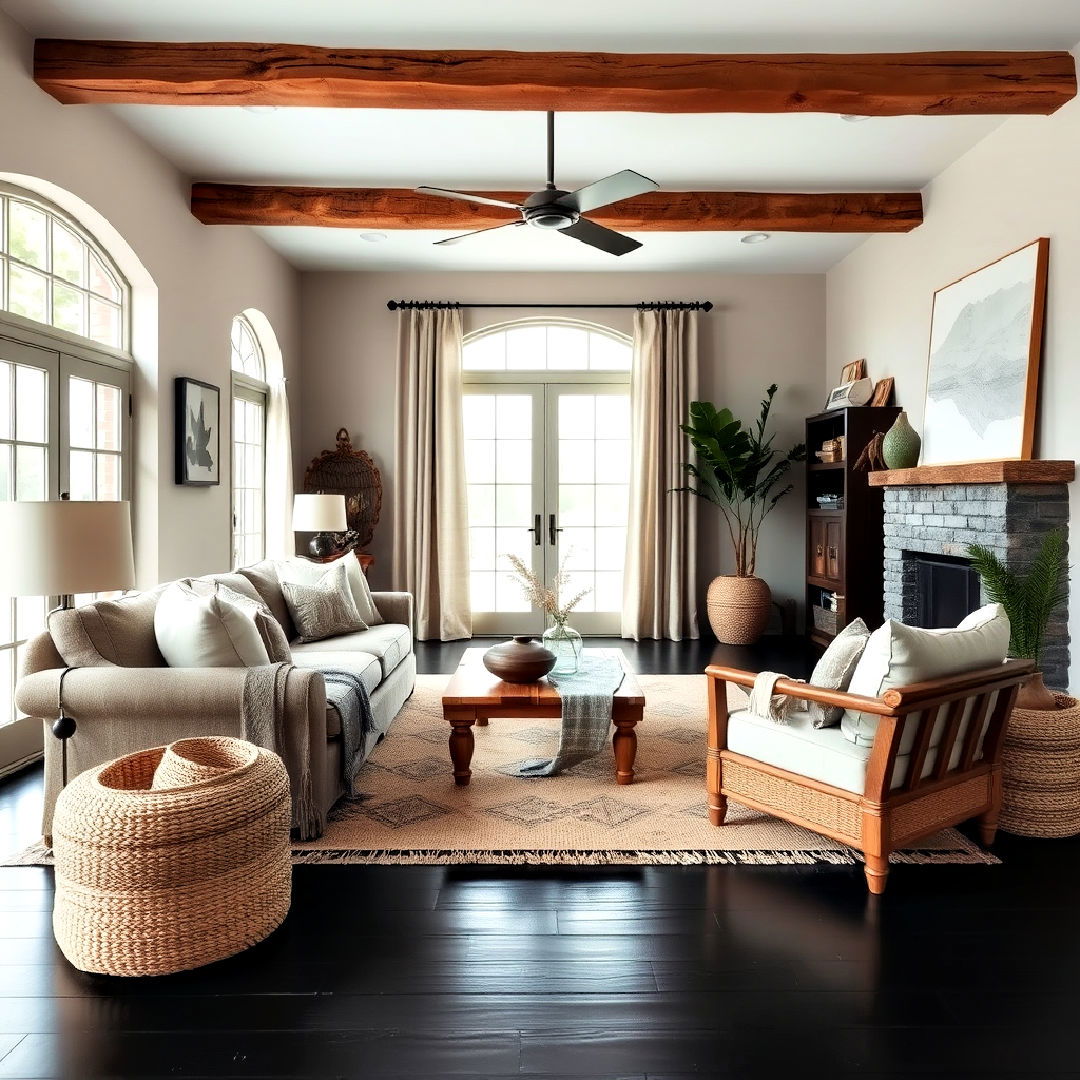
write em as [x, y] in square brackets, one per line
[171, 858]
[1041, 771]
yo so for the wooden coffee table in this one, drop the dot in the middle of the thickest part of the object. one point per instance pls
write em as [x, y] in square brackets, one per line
[474, 695]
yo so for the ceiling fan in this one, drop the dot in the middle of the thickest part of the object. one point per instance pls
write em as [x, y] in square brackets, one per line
[560, 210]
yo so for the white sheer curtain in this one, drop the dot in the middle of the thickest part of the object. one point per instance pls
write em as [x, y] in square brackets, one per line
[280, 541]
[431, 525]
[660, 589]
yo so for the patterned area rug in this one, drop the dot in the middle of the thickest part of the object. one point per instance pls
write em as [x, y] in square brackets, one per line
[407, 809]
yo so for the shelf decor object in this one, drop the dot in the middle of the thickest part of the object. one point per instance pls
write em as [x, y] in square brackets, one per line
[844, 512]
[901, 445]
[997, 312]
[352, 473]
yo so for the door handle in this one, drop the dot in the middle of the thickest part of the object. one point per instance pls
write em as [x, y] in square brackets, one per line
[552, 530]
[536, 530]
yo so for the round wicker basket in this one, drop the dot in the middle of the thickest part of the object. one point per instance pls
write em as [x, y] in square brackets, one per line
[738, 608]
[1041, 771]
[171, 858]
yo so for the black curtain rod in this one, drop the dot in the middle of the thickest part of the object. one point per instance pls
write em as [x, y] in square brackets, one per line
[645, 305]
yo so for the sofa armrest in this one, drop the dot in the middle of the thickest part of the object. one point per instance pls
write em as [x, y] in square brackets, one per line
[395, 607]
[148, 696]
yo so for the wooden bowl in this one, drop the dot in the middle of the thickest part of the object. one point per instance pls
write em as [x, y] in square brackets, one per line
[521, 660]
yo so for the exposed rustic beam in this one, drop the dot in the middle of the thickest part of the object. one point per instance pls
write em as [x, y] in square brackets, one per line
[658, 211]
[232, 73]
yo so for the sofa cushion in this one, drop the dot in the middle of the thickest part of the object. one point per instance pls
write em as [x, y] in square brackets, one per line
[305, 572]
[390, 642]
[323, 609]
[264, 577]
[109, 632]
[203, 624]
[270, 630]
[366, 666]
[899, 655]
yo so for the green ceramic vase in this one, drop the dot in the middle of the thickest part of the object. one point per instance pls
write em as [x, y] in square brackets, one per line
[902, 445]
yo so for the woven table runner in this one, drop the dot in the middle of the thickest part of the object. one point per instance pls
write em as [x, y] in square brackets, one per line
[586, 713]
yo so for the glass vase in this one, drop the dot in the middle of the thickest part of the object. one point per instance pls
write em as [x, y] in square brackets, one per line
[565, 642]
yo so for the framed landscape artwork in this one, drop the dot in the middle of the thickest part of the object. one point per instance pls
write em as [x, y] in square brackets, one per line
[983, 374]
[198, 439]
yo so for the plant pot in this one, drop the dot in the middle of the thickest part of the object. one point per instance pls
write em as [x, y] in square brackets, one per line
[739, 608]
[1041, 771]
[521, 660]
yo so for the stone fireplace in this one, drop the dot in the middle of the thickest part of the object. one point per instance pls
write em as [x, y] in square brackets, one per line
[940, 510]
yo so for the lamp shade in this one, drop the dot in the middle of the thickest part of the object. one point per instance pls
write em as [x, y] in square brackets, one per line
[57, 548]
[319, 513]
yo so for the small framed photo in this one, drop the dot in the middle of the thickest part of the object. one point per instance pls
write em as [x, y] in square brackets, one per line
[855, 370]
[198, 433]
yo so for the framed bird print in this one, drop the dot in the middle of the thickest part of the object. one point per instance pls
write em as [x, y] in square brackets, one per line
[198, 433]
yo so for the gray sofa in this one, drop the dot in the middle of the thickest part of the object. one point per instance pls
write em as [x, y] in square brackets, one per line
[124, 697]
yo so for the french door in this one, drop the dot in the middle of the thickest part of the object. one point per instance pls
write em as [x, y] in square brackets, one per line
[64, 427]
[548, 471]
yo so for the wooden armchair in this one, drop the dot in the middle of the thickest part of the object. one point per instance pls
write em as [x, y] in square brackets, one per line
[950, 772]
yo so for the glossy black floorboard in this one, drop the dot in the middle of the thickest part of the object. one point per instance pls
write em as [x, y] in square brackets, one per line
[665, 972]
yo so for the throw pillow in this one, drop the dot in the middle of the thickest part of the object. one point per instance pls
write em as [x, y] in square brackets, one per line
[324, 609]
[899, 655]
[303, 572]
[834, 670]
[197, 625]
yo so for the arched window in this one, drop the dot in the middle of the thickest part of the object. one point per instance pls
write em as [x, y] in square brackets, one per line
[250, 396]
[53, 272]
[546, 411]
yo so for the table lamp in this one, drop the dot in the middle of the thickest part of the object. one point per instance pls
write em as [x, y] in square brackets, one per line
[322, 515]
[62, 548]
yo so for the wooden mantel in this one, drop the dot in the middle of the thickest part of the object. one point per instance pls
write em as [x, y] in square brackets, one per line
[978, 472]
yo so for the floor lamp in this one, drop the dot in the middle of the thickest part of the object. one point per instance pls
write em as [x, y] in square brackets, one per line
[60, 549]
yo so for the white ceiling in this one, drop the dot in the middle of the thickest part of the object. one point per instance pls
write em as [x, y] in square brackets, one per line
[505, 150]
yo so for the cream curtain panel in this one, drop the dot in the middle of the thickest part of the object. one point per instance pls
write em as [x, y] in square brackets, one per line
[660, 585]
[280, 539]
[431, 526]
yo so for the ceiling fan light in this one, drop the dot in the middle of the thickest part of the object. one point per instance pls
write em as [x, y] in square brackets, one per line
[755, 238]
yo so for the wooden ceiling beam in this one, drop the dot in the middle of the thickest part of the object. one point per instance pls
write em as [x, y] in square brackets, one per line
[869, 84]
[659, 211]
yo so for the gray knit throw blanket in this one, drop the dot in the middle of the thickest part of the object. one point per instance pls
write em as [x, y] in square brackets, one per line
[586, 714]
[264, 723]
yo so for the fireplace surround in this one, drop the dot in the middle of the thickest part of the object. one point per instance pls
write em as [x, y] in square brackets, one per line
[940, 511]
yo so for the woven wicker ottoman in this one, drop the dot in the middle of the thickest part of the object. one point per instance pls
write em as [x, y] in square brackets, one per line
[171, 858]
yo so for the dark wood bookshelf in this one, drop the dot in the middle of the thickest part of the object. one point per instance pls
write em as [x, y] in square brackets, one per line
[845, 546]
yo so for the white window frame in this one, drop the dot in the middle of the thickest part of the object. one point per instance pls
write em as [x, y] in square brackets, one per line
[246, 388]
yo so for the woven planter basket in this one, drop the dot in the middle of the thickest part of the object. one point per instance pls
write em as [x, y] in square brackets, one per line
[171, 858]
[1041, 768]
[739, 608]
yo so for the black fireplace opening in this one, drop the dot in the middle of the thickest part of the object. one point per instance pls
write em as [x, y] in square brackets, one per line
[949, 589]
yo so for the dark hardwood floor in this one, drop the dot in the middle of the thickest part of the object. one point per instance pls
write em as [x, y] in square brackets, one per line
[743, 972]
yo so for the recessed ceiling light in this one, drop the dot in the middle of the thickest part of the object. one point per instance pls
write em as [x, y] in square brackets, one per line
[259, 110]
[854, 118]
[373, 237]
[754, 238]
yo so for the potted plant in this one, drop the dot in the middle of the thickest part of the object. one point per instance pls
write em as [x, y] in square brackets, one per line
[1029, 600]
[1041, 759]
[738, 470]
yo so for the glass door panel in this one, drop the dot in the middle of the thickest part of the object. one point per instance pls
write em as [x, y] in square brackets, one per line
[588, 428]
[504, 473]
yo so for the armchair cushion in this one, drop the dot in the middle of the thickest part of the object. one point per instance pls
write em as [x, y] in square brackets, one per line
[899, 655]
[834, 670]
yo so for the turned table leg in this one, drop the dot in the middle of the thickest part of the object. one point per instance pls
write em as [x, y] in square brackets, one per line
[461, 747]
[624, 742]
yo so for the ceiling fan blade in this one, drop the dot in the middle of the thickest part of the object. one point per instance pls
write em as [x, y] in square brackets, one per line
[477, 232]
[612, 189]
[466, 196]
[597, 236]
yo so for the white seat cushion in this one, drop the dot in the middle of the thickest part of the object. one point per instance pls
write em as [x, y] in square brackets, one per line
[825, 754]
[898, 655]
[390, 642]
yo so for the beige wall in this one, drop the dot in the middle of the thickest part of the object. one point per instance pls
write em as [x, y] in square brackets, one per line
[1021, 182]
[763, 329]
[198, 277]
